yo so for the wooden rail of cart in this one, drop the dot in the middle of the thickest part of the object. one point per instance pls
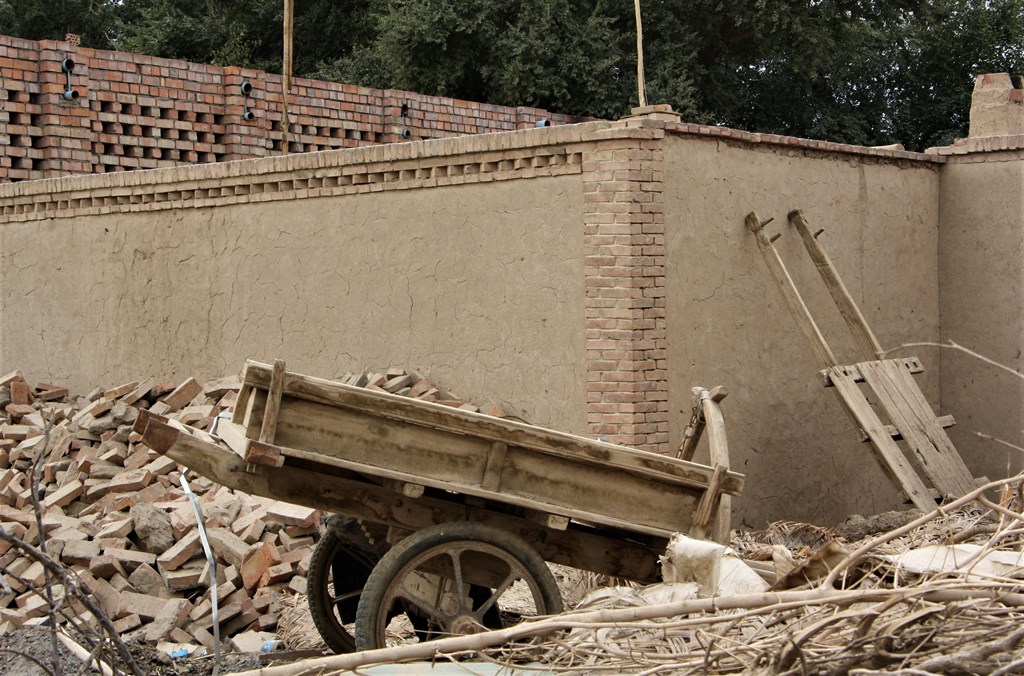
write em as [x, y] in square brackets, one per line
[441, 512]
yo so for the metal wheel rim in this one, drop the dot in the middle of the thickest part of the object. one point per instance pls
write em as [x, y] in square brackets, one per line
[465, 620]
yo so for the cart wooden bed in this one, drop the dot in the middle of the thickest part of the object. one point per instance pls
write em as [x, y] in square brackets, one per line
[457, 504]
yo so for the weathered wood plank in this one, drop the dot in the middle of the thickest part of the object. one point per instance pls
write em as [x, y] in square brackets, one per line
[911, 364]
[790, 294]
[386, 409]
[584, 492]
[944, 421]
[241, 404]
[707, 504]
[889, 456]
[491, 480]
[719, 458]
[268, 430]
[910, 412]
[578, 546]
[862, 333]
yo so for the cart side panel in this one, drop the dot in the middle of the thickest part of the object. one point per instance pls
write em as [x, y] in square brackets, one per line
[590, 488]
[566, 485]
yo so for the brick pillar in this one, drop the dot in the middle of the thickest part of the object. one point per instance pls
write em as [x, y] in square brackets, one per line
[65, 143]
[624, 240]
[250, 138]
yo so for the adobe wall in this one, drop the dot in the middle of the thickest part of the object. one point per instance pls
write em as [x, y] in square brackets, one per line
[586, 276]
[728, 324]
[141, 112]
[467, 267]
[981, 251]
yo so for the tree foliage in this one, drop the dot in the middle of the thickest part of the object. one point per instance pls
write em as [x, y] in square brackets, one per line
[858, 71]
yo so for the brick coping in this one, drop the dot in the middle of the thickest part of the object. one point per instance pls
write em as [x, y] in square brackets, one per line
[979, 144]
[435, 149]
[795, 142]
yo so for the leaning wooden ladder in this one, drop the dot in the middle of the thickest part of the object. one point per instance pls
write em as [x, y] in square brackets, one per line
[910, 417]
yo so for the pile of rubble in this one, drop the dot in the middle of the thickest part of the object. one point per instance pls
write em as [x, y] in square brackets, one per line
[116, 514]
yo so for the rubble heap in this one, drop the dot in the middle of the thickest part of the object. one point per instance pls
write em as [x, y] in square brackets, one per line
[116, 514]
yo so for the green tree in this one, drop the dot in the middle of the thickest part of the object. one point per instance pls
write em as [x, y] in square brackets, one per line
[53, 19]
[858, 71]
[560, 54]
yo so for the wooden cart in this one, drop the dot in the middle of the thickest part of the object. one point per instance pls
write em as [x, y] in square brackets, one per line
[443, 516]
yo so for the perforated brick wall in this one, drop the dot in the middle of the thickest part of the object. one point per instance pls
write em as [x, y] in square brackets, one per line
[139, 112]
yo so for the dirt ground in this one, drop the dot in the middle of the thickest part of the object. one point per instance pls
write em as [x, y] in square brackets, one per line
[35, 642]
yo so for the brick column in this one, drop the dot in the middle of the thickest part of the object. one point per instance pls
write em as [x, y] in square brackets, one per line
[250, 138]
[624, 240]
[65, 143]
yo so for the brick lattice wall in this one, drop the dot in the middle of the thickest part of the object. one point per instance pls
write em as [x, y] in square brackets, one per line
[141, 112]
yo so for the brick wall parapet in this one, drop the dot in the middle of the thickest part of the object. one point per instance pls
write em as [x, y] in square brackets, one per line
[524, 154]
[141, 112]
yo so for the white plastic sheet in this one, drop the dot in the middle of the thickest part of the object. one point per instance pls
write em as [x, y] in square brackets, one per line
[716, 569]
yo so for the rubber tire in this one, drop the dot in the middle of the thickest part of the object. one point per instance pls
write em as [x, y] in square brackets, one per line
[391, 564]
[345, 551]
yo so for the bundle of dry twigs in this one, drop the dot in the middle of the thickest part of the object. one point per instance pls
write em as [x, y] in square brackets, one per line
[869, 614]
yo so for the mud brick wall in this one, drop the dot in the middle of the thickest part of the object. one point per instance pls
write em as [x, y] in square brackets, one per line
[141, 112]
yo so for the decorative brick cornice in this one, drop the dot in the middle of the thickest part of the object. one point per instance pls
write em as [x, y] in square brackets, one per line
[531, 153]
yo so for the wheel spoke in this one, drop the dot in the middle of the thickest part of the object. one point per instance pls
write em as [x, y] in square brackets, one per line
[460, 592]
[479, 564]
[501, 589]
[335, 600]
[410, 596]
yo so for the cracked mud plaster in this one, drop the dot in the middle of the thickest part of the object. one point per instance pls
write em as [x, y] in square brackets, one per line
[728, 324]
[479, 286]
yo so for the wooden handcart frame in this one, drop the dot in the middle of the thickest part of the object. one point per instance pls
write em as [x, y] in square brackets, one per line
[403, 474]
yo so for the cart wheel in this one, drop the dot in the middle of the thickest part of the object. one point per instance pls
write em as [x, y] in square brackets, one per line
[338, 569]
[455, 578]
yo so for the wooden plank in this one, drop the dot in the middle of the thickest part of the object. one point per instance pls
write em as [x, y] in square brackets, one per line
[944, 421]
[268, 430]
[706, 507]
[605, 500]
[804, 320]
[578, 546]
[427, 415]
[862, 333]
[241, 404]
[910, 412]
[719, 458]
[889, 456]
[491, 480]
[911, 364]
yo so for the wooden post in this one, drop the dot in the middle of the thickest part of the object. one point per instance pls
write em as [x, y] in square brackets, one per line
[862, 333]
[694, 429]
[269, 430]
[719, 458]
[286, 74]
[641, 85]
[796, 304]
